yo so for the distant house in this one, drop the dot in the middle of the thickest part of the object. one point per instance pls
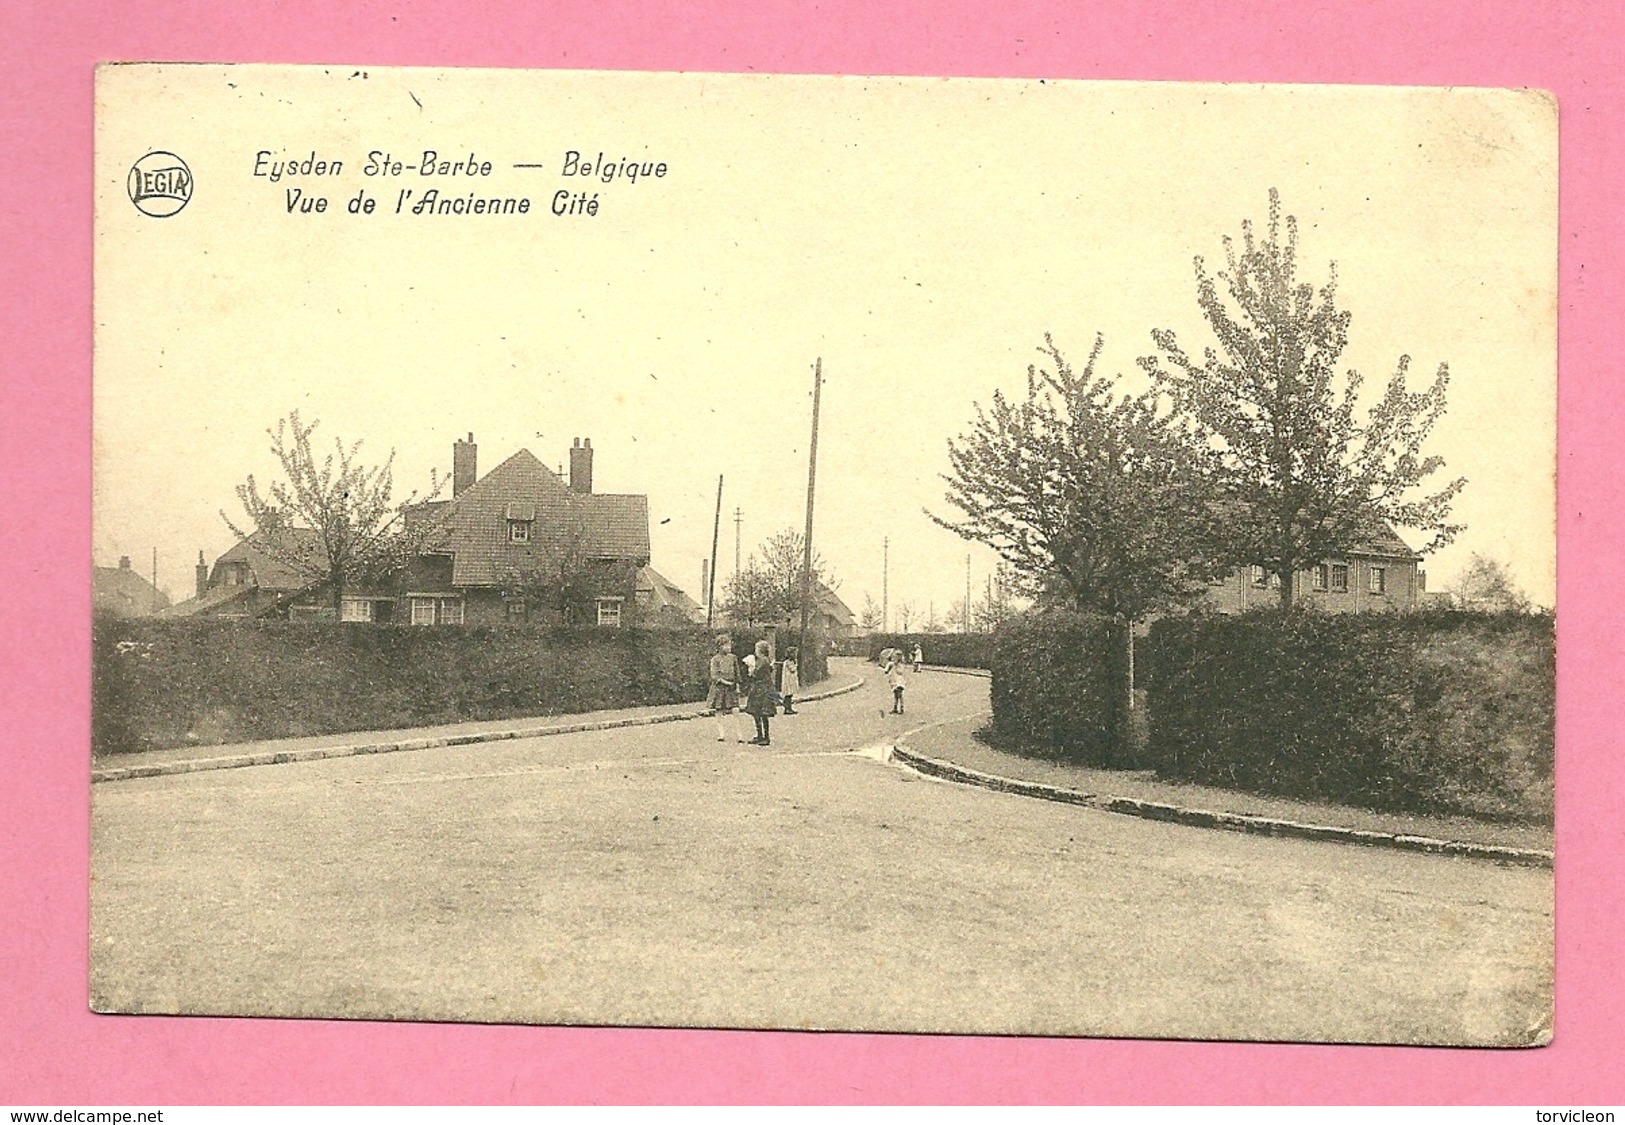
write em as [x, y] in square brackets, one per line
[249, 581]
[830, 615]
[1382, 573]
[120, 591]
[519, 544]
[660, 602]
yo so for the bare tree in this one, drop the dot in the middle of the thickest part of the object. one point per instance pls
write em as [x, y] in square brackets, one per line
[906, 612]
[1306, 480]
[870, 617]
[342, 505]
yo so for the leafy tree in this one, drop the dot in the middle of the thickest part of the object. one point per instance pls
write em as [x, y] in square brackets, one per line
[1303, 478]
[336, 502]
[768, 590]
[1487, 585]
[1102, 501]
[749, 598]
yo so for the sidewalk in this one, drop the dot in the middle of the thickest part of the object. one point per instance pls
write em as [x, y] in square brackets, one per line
[950, 751]
[192, 759]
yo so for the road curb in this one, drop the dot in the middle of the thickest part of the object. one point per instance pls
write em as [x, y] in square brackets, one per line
[1204, 818]
[386, 745]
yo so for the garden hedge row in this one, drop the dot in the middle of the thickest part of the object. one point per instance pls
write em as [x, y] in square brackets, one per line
[175, 683]
[949, 650]
[1058, 689]
[1435, 712]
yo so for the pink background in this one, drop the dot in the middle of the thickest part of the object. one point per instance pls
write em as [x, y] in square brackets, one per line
[55, 1052]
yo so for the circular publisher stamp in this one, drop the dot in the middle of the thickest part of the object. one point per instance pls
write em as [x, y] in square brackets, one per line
[160, 184]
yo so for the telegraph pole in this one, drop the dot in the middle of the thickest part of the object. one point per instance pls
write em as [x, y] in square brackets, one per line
[711, 586]
[739, 519]
[807, 544]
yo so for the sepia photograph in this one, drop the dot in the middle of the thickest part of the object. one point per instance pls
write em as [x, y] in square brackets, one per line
[763, 551]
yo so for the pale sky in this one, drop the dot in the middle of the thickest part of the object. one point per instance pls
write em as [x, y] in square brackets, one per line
[918, 235]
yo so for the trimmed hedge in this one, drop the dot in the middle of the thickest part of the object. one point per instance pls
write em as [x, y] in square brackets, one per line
[1058, 684]
[209, 681]
[1437, 712]
[948, 650]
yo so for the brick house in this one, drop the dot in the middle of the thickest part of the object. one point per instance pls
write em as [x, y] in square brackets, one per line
[517, 545]
[521, 544]
[1382, 573]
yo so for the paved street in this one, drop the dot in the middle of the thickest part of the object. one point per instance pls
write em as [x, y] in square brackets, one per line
[655, 876]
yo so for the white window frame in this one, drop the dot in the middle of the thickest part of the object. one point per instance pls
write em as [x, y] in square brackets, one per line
[519, 531]
[609, 612]
[515, 609]
[356, 609]
[1322, 579]
[1343, 586]
[1378, 581]
[448, 611]
[423, 611]
[1261, 577]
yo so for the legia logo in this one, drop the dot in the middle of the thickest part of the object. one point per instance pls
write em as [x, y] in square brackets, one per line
[160, 184]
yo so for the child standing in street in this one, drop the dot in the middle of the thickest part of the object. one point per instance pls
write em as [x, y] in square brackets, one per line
[724, 673]
[898, 681]
[759, 693]
[789, 681]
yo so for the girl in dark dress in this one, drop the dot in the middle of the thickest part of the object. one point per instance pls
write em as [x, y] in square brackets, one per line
[759, 693]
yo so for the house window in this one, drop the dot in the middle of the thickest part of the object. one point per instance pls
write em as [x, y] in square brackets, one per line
[356, 609]
[1260, 576]
[609, 612]
[1322, 576]
[516, 609]
[1379, 580]
[437, 611]
[519, 531]
[1340, 578]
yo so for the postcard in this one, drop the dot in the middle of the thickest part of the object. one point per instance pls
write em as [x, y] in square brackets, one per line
[968, 556]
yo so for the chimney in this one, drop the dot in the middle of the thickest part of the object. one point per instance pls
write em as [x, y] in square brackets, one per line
[463, 473]
[581, 466]
[202, 575]
[124, 562]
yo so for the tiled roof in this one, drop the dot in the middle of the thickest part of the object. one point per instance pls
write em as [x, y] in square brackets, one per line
[122, 590]
[474, 527]
[212, 599]
[270, 572]
[1382, 541]
[663, 592]
[832, 605]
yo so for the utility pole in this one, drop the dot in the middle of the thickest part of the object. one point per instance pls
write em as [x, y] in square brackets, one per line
[885, 581]
[739, 519]
[711, 586]
[812, 475]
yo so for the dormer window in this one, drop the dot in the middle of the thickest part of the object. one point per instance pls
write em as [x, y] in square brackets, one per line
[520, 518]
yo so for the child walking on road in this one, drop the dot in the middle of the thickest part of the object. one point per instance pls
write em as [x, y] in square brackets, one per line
[898, 682]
